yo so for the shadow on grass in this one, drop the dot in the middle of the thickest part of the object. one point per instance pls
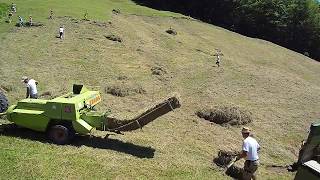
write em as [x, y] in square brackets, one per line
[90, 141]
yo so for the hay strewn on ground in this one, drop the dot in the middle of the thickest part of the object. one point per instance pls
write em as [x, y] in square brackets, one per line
[225, 115]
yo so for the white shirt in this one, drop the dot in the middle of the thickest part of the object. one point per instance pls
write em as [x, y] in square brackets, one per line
[251, 146]
[32, 86]
[61, 30]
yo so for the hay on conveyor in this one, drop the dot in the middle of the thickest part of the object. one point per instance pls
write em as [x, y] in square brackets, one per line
[143, 119]
[225, 115]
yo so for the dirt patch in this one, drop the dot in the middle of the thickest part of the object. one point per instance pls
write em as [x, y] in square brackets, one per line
[225, 115]
[171, 31]
[124, 89]
[113, 37]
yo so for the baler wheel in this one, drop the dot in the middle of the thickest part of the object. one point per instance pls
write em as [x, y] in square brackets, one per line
[3, 103]
[60, 134]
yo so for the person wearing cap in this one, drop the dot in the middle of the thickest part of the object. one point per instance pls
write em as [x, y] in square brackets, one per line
[31, 85]
[250, 149]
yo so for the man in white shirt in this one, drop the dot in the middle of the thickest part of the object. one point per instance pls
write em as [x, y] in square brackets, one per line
[31, 85]
[61, 32]
[250, 149]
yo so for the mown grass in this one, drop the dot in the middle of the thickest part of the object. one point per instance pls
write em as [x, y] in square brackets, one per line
[279, 87]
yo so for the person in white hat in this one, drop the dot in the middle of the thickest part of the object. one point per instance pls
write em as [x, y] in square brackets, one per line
[250, 149]
[31, 85]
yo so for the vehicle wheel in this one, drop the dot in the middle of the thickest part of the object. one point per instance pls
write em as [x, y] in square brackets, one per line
[3, 103]
[60, 134]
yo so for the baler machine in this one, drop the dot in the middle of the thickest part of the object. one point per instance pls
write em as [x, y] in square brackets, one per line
[74, 113]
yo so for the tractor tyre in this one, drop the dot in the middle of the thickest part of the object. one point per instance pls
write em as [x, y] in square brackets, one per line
[60, 134]
[4, 103]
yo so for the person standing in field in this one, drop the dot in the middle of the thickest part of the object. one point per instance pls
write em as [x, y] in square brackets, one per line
[51, 14]
[61, 32]
[86, 16]
[31, 85]
[20, 21]
[250, 149]
[30, 20]
[10, 16]
[218, 60]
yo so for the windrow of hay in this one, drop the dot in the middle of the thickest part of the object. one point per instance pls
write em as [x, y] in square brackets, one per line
[113, 37]
[157, 70]
[225, 115]
[124, 89]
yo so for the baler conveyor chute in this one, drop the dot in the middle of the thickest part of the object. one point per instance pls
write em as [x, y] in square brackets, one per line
[148, 116]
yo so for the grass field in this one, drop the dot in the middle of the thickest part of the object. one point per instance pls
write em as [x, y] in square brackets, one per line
[278, 86]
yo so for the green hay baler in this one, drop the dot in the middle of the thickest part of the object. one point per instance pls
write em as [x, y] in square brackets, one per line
[73, 113]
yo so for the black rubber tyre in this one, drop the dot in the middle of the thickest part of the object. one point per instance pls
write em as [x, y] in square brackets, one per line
[60, 134]
[4, 103]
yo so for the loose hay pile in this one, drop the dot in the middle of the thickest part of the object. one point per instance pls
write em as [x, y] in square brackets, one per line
[171, 31]
[224, 158]
[113, 37]
[157, 70]
[235, 172]
[122, 90]
[225, 115]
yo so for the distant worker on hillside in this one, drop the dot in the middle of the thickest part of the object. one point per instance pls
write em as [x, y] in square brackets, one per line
[51, 14]
[250, 149]
[31, 85]
[20, 21]
[61, 32]
[86, 16]
[218, 58]
[30, 20]
[10, 16]
[13, 7]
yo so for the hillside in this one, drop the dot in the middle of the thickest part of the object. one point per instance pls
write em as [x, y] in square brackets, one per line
[278, 86]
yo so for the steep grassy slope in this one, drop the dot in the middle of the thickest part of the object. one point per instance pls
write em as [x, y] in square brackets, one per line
[280, 88]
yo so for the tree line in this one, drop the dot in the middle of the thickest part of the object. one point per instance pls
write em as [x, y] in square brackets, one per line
[294, 24]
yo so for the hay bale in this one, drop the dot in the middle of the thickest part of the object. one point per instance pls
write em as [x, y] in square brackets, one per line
[225, 115]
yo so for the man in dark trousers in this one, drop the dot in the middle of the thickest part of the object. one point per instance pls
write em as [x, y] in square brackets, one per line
[250, 149]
